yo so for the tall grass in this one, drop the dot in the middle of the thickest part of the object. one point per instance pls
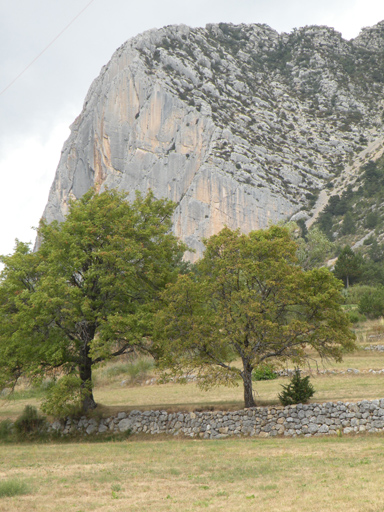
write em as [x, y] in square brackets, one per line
[131, 372]
[13, 487]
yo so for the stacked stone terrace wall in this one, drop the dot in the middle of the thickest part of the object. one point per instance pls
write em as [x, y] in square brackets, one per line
[332, 418]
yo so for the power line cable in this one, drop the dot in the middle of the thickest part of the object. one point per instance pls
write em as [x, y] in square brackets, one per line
[46, 48]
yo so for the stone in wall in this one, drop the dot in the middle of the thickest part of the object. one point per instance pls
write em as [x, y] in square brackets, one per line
[331, 418]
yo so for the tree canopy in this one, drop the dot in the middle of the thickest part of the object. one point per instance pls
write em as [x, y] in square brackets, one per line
[249, 299]
[348, 266]
[314, 249]
[89, 293]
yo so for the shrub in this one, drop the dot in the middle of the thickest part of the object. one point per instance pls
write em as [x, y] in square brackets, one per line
[355, 292]
[5, 429]
[371, 220]
[372, 302]
[29, 422]
[355, 317]
[134, 372]
[13, 487]
[264, 372]
[65, 397]
[140, 369]
[298, 391]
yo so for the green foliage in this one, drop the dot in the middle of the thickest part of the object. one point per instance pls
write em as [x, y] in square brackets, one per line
[5, 429]
[358, 209]
[372, 273]
[30, 422]
[264, 372]
[373, 177]
[298, 391]
[349, 266]
[348, 227]
[314, 250]
[134, 371]
[65, 397]
[249, 299]
[139, 369]
[355, 317]
[11, 487]
[371, 220]
[376, 251]
[89, 293]
[325, 222]
[372, 302]
[355, 292]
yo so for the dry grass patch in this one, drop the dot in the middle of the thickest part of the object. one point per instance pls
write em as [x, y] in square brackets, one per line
[187, 397]
[13, 408]
[186, 475]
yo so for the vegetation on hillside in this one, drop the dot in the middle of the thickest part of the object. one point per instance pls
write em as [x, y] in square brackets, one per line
[353, 222]
[359, 210]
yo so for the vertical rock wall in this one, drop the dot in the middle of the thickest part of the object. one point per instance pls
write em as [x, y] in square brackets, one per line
[224, 121]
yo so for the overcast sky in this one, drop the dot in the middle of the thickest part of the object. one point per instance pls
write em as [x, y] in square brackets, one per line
[37, 109]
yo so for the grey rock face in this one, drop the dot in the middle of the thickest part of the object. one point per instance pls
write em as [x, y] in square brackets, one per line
[239, 125]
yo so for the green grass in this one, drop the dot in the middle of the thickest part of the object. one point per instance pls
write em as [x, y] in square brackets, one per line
[13, 487]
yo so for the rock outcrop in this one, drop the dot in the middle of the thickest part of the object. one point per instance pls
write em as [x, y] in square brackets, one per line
[239, 125]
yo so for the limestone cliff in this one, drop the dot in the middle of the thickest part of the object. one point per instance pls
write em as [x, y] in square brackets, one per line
[239, 125]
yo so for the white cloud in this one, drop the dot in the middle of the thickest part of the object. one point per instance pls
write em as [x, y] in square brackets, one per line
[27, 172]
[358, 14]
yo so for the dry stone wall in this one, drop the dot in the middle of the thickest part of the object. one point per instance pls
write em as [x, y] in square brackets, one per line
[332, 418]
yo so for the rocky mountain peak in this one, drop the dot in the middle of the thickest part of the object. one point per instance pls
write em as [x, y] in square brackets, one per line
[238, 124]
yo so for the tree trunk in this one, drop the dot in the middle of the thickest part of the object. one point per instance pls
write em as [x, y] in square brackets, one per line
[246, 375]
[85, 370]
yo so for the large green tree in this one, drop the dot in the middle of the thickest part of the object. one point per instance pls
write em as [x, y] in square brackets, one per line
[249, 300]
[90, 291]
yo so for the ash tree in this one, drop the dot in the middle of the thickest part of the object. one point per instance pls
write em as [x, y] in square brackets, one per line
[247, 302]
[89, 293]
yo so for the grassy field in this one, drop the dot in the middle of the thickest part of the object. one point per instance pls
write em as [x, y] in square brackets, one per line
[281, 475]
[173, 474]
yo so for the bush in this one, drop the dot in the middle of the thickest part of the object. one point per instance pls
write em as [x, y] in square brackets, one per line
[298, 391]
[139, 369]
[13, 487]
[29, 422]
[264, 372]
[372, 302]
[5, 429]
[134, 372]
[371, 220]
[65, 397]
[355, 317]
[355, 292]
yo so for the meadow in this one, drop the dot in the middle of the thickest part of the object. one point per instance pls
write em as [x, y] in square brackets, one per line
[144, 474]
[160, 473]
